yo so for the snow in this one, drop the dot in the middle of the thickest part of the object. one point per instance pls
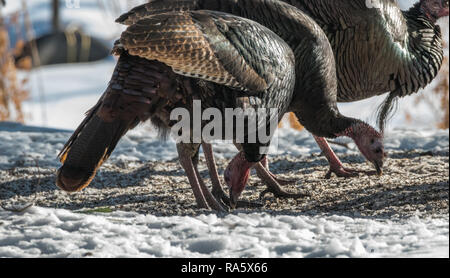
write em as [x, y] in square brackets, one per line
[77, 89]
[92, 16]
[70, 90]
[19, 144]
[43, 232]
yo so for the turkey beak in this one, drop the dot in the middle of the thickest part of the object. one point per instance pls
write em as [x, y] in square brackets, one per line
[233, 199]
[378, 167]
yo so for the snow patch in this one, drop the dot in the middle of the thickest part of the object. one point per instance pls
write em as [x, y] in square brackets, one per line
[42, 232]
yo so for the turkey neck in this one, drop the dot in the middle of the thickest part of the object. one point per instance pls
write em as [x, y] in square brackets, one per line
[424, 42]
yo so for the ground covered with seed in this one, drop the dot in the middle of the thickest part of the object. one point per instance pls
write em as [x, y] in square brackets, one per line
[414, 182]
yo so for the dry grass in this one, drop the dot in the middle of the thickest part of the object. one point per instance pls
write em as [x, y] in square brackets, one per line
[291, 121]
[295, 124]
[442, 90]
[438, 99]
[12, 92]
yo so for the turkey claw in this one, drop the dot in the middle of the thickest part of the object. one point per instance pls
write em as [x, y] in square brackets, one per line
[349, 173]
[225, 201]
[281, 194]
[343, 173]
[282, 181]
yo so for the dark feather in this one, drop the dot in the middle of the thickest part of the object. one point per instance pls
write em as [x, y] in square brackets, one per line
[367, 42]
[168, 60]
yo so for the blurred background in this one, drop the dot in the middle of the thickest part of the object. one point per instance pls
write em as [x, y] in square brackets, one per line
[55, 63]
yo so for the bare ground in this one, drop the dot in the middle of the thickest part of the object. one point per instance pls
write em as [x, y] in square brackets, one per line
[413, 183]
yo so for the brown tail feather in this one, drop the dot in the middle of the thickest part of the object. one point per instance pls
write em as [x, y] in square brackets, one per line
[121, 108]
[91, 146]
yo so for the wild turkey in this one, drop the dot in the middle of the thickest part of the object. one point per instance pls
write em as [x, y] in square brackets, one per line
[141, 89]
[314, 100]
[169, 60]
[243, 54]
[378, 48]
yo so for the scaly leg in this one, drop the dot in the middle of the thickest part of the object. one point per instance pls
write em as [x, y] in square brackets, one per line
[204, 198]
[280, 181]
[273, 186]
[185, 158]
[210, 199]
[336, 165]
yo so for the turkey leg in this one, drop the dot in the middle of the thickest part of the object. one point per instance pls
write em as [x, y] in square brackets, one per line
[204, 198]
[210, 199]
[265, 164]
[273, 186]
[336, 165]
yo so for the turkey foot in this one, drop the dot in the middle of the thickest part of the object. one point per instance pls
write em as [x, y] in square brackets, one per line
[217, 190]
[341, 171]
[273, 186]
[336, 165]
[220, 195]
[280, 181]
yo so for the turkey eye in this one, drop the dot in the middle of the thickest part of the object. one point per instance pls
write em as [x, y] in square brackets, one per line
[372, 141]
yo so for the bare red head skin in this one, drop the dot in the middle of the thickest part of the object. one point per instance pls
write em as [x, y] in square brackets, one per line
[369, 142]
[236, 176]
[434, 9]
